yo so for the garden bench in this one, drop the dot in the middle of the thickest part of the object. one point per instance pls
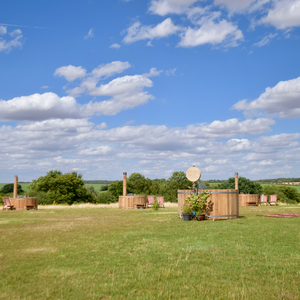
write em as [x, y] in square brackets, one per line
[138, 206]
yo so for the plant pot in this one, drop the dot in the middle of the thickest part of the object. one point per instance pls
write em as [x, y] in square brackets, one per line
[186, 217]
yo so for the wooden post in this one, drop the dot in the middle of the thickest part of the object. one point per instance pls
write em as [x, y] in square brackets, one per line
[124, 183]
[236, 181]
[16, 187]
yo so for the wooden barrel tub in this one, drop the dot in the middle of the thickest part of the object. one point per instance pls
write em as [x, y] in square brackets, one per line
[128, 202]
[224, 203]
[24, 203]
[248, 199]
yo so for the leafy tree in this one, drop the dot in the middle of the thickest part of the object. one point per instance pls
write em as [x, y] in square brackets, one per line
[116, 189]
[9, 188]
[246, 186]
[62, 188]
[178, 181]
[138, 184]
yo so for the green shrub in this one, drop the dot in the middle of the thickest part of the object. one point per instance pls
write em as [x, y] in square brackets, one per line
[43, 198]
[291, 201]
[107, 198]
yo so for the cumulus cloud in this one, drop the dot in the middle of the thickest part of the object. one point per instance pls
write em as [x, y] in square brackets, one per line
[284, 14]
[122, 93]
[3, 30]
[211, 33]
[154, 150]
[138, 32]
[110, 69]
[235, 5]
[283, 100]
[70, 72]
[164, 7]
[39, 107]
[6, 45]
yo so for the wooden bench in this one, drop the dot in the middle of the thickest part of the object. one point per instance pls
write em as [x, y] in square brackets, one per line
[29, 207]
[139, 206]
[253, 203]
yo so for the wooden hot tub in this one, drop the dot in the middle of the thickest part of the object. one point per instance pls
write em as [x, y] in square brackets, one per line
[224, 203]
[127, 202]
[248, 199]
[24, 203]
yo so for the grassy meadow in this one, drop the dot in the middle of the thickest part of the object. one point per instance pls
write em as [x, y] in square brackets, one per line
[25, 185]
[107, 253]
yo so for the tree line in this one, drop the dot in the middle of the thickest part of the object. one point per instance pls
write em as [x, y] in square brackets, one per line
[70, 188]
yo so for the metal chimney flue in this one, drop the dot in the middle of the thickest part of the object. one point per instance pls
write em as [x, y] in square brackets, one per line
[124, 183]
[16, 186]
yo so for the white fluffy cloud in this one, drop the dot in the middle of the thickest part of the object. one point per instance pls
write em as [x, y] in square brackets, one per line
[110, 69]
[39, 107]
[164, 7]
[285, 14]
[211, 33]
[3, 30]
[122, 93]
[70, 72]
[7, 44]
[152, 150]
[283, 100]
[138, 32]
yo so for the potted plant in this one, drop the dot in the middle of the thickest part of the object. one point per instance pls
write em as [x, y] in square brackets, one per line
[186, 210]
[196, 205]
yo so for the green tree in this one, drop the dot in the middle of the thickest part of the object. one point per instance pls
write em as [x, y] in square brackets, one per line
[116, 189]
[246, 186]
[9, 188]
[138, 184]
[178, 181]
[62, 188]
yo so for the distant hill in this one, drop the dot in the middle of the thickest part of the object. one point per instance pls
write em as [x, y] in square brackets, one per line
[278, 180]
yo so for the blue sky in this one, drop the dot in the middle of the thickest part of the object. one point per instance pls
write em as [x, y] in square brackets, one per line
[156, 86]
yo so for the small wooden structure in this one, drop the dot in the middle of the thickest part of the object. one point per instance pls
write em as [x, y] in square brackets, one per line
[131, 201]
[224, 204]
[248, 199]
[24, 203]
[134, 201]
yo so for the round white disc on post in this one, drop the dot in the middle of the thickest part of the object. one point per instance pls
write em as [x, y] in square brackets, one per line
[193, 174]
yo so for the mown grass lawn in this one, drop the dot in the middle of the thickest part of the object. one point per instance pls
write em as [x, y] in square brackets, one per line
[106, 253]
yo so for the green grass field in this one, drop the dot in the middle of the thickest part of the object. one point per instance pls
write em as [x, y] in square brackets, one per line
[25, 185]
[107, 253]
[297, 187]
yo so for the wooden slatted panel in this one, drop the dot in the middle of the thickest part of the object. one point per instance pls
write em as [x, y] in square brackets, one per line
[20, 202]
[244, 198]
[225, 203]
[127, 202]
